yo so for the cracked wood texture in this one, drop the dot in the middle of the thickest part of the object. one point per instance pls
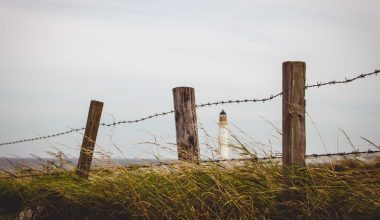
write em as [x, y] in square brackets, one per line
[89, 139]
[186, 124]
[293, 114]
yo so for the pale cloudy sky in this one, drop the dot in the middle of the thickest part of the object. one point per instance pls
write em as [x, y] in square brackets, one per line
[55, 56]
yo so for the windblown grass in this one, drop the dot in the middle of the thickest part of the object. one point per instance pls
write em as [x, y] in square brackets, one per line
[252, 190]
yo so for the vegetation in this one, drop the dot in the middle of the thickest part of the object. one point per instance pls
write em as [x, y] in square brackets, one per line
[253, 189]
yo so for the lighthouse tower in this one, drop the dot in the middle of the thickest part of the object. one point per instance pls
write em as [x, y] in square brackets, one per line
[223, 136]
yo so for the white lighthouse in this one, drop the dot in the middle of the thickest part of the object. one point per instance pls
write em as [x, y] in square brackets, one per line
[223, 136]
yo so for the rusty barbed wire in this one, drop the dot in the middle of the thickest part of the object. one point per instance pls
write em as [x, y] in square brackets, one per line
[238, 101]
[345, 81]
[343, 153]
[138, 120]
[318, 84]
[209, 104]
[306, 156]
[159, 163]
[43, 137]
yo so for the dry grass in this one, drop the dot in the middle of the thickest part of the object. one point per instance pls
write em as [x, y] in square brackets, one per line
[253, 190]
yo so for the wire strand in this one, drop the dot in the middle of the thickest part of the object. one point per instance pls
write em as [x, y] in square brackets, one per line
[209, 104]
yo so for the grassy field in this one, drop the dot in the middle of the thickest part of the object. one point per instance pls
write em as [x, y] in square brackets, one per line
[252, 190]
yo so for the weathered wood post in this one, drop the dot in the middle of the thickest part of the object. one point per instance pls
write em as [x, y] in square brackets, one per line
[293, 119]
[293, 114]
[89, 139]
[186, 124]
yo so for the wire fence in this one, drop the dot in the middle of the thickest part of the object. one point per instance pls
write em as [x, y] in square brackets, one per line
[367, 152]
[40, 173]
[208, 104]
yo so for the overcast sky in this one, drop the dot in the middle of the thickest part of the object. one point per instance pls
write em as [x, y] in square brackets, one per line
[56, 56]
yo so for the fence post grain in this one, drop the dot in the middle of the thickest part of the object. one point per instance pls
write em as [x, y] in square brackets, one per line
[89, 139]
[186, 124]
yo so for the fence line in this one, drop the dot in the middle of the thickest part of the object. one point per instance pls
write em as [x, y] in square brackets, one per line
[209, 104]
[306, 156]
[31, 175]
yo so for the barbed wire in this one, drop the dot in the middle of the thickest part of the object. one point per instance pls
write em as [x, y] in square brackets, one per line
[61, 171]
[238, 101]
[138, 120]
[318, 84]
[306, 156]
[343, 153]
[345, 81]
[43, 137]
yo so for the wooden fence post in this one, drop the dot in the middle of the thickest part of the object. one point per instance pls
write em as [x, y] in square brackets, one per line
[186, 124]
[89, 139]
[293, 114]
[293, 122]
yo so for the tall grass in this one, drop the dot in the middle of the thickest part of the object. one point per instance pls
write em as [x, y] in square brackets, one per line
[252, 189]
[249, 189]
